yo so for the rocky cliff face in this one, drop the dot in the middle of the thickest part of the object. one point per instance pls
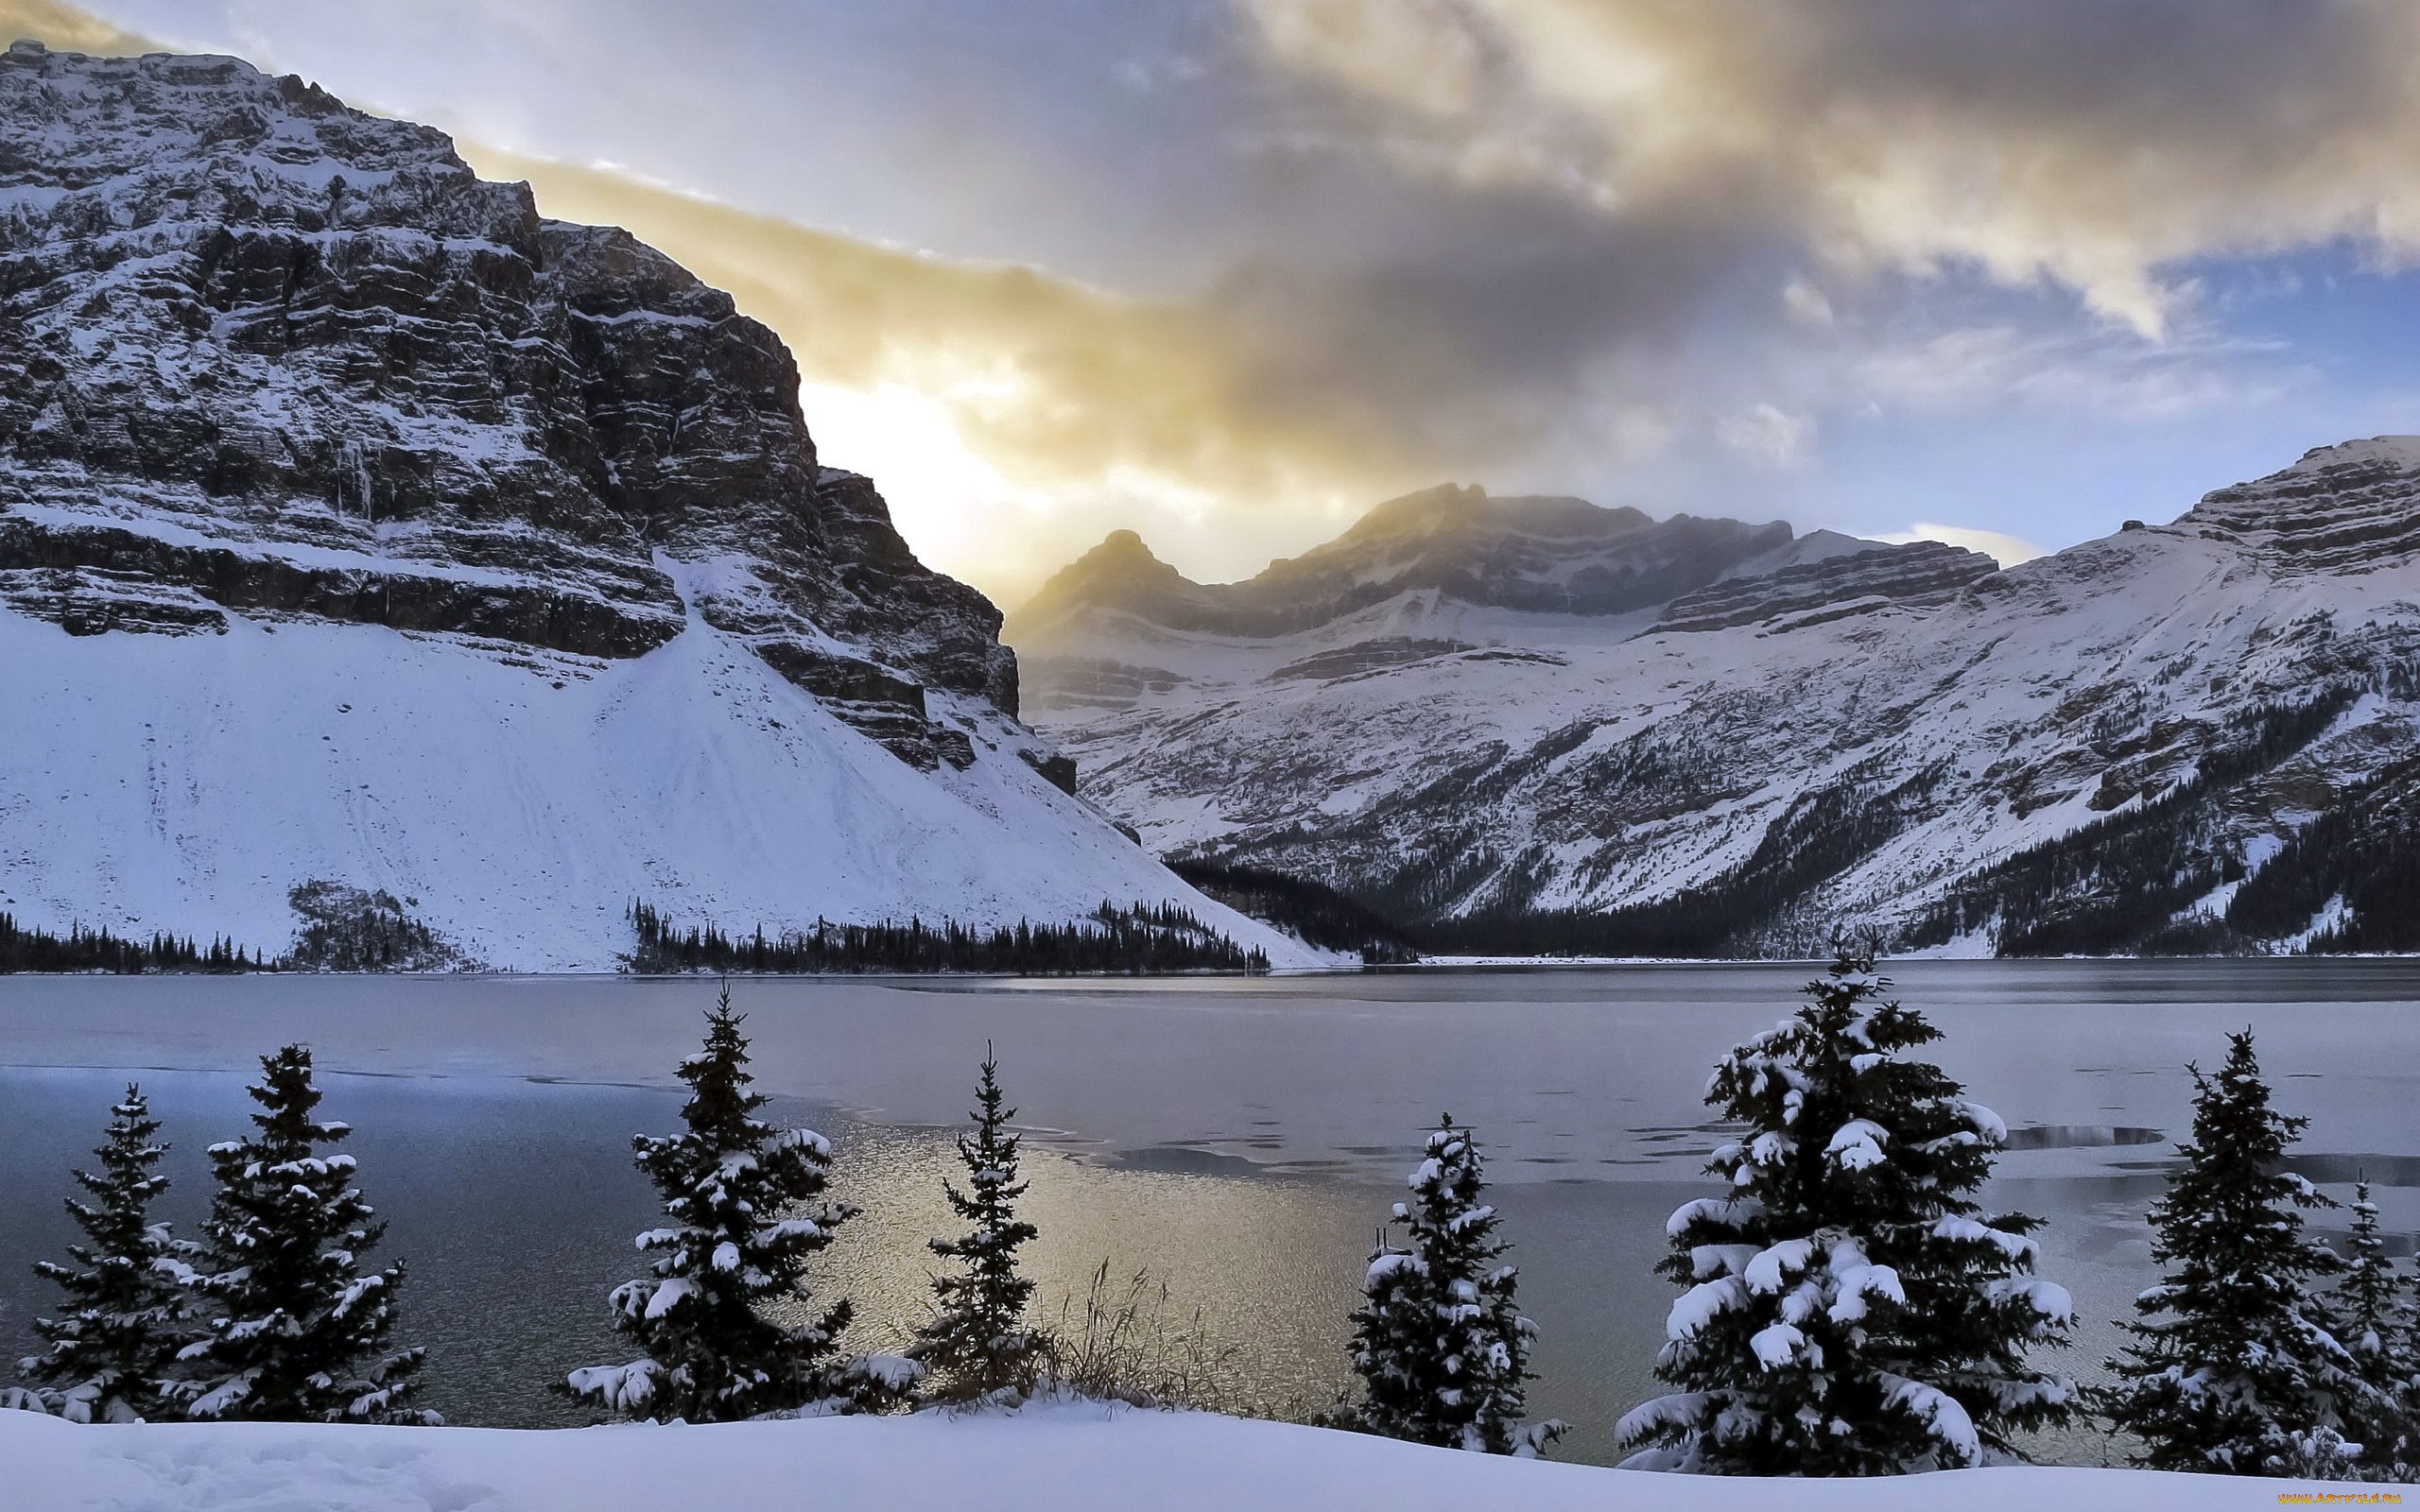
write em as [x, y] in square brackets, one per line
[265, 354]
[2191, 737]
[1919, 573]
[361, 528]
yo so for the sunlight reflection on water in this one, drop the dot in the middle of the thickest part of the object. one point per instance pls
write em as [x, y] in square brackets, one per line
[1238, 1141]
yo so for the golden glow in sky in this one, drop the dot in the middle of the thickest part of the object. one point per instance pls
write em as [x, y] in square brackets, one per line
[1228, 272]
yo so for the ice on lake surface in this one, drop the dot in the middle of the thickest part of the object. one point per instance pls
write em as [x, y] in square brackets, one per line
[1236, 1138]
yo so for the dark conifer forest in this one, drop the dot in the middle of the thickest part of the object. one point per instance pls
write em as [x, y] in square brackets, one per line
[1145, 938]
[98, 950]
[1316, 914]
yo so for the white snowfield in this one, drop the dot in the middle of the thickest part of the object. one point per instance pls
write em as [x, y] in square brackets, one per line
[1069, 1458]
[518, 800]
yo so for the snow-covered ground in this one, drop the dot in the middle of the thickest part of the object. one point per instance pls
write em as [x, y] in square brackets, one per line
[1057, 1459]
[517, 800]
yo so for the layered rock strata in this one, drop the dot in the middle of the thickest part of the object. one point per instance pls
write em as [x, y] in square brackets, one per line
[266, 355]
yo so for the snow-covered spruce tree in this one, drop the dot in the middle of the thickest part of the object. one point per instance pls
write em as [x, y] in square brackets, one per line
[2236, 1362]
[1438, 1340]
[1850, 1309]
[2375, 1315]
[746, 1201]
[978, 1343]
[112, 1347]
[293, 1330]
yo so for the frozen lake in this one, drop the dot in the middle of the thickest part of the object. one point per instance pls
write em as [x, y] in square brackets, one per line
[1239, 1139]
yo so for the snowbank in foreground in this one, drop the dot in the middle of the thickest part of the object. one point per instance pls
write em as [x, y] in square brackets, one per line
[1057, 1459]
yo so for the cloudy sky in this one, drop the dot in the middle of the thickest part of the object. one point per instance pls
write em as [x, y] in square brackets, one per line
[1229, 271]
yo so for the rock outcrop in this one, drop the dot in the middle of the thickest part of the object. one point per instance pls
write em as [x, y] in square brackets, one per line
[2341, 508]
[1917, 573]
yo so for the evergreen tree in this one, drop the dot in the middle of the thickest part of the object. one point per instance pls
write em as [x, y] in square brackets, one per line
[2374, 1307]
[294, 1331]
[112, 1348]
[978, 1342]
[1438, 1340]
[745, 1198]
[2235, 1363]
[1850, 1309]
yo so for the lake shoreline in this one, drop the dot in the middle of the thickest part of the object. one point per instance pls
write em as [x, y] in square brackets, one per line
[1238, 1138]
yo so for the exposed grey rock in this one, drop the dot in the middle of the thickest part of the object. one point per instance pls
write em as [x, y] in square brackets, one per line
[1919, 572]
[1064, 682]
[2349, 507]
[263, 354]
[90, 601]
[1061, 771]
[1366, 656]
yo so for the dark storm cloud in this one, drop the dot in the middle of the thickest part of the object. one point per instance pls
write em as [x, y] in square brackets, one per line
[2079, 141]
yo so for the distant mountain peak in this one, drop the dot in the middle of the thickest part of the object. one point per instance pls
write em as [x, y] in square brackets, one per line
[1120, 551]
[1438, 501]
[1471, 508]
[1547, 554]
[1120, 574]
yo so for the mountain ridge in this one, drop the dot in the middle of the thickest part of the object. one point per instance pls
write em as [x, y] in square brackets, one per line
[1539, 553]
[2104, 749]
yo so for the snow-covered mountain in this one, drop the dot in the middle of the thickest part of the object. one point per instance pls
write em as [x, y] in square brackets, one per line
[360, 526]
[2189, 737]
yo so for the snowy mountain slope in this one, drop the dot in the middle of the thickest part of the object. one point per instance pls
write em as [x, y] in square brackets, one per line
[187, 783]
[1441, 573]
[358, 525]
[2191, 737]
